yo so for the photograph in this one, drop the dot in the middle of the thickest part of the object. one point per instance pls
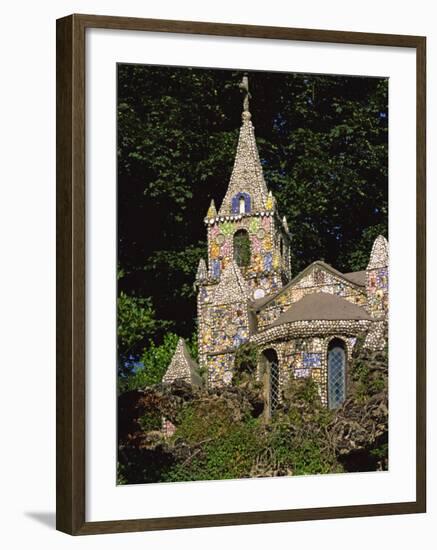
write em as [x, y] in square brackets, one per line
[252, 274]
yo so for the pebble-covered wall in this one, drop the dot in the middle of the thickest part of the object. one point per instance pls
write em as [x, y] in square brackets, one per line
[377, 278]
[269, 264]
[317, 279]
[302, 347]
[224, 320]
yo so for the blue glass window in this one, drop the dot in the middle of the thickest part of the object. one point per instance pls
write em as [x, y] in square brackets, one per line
[336, 374]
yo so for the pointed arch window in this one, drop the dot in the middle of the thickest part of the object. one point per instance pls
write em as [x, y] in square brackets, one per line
[336, 373]
[242, 251]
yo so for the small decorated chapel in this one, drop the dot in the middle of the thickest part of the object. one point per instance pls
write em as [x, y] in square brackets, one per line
[303, 325]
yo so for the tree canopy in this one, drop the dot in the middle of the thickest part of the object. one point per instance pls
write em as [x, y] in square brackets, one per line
[323, 144]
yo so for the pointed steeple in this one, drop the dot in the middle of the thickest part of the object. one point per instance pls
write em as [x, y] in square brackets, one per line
[202, 273]
[247, 179]
[212, 211]
[232, 287]
[285, 224]
[379, 254]
[182, 366]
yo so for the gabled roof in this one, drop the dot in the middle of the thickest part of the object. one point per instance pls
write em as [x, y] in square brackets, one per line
[182, 366]
[247, 174]
[321, 306]
[356, 278]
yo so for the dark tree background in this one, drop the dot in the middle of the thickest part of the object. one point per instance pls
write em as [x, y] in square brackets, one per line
[323, 144]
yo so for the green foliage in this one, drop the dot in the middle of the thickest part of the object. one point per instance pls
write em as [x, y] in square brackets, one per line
[381, 452]
[154, 361]
[135, 320]
[359, 257]
[224, 448]
[245, 364]
[227, 457]
[302, 390]
[121, 479]
[151, 420]
[220, 435]
[368, 377]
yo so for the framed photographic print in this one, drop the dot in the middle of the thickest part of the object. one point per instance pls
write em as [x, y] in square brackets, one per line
[241, 274]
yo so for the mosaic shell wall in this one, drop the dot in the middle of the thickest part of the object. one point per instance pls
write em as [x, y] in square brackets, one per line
[377, 291]
[317, 280]
[220, 369]
[267, 266]
[377, 278]
[308, 358]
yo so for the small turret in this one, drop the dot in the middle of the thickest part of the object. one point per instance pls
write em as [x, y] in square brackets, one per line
[202, 274]
[377, 279]
[182, 367]
[379, 254]
[212, 211]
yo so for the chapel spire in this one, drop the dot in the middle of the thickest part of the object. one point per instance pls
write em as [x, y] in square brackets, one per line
[247, 180]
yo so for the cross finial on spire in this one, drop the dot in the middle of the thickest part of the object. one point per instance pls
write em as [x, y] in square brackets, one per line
[244, 85]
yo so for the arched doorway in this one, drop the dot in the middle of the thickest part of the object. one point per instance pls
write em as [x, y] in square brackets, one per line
[270, 379]
[336, 373]
[242, 248]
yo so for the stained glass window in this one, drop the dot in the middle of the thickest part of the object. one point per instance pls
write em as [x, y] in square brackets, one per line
[336, 374]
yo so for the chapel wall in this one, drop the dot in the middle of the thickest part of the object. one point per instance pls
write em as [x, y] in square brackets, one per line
[263, 275]
[315, 281]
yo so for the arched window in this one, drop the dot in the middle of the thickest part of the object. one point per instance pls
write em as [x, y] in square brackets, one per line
[242, 205]
[242, 248]
[270, 377]
[336, 373]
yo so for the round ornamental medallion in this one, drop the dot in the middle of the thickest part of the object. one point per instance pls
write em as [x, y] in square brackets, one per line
[261, 234]
[220, 239]
[259, 293]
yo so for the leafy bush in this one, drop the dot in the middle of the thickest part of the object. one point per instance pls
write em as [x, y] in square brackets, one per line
[221, 433]
[153, 362]
[152, 365]
[135, 319]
